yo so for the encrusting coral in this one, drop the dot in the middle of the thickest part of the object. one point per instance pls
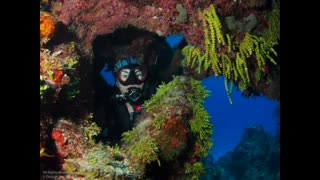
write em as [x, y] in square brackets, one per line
[174, 124]
[58, 71]
[173, 121]
[82, 157]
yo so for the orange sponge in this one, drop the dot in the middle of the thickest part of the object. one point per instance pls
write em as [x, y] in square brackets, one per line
[47, 26]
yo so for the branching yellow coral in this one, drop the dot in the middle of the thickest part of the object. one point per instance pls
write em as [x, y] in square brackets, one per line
[230, 45]
[212, 31]
[242, 68]
[273, 34]
[47, 26]
[228, 73]
[228, 90]
[259, 47]
[213, 37]
[192, 55]
[214, 24]
[231, 59]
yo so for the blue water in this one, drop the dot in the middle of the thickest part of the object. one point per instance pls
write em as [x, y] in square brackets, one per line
[230, 120]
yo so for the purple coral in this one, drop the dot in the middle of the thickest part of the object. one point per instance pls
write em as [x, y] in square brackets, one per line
[91, 18]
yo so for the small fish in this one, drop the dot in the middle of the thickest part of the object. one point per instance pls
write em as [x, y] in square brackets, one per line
[44, 154]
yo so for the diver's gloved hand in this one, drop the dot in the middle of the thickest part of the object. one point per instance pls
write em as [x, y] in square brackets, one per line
[174, 41]
[107, 76]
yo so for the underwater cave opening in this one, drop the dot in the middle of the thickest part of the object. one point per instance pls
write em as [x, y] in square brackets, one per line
[151, 49]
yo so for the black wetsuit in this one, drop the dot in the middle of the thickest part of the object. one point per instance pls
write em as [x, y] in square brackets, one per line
[115, 119]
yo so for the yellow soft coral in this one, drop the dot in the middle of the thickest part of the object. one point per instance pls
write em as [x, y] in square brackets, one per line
[47, 26]
[228, 57]
[213, 39]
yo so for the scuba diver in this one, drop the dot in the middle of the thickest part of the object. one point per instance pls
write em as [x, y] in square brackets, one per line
[127, 98]
[130, 82]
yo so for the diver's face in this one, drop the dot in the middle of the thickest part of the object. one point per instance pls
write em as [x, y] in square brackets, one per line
[131, 77]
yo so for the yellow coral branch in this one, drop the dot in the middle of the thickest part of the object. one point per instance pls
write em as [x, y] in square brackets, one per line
[232, 63]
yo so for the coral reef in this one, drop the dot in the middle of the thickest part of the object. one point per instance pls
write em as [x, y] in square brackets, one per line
[241, 62]
[45, 128]
[226, 7]
[57, 71]
[251, 4]
[68, 140]
[47, 27]
[272, 35]
[174, 124]
[174, 130]
[81, 157]
[59, 81]
[92, 18]
[99, 163]
[255, 157]
[173, 134]
[104, 17]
